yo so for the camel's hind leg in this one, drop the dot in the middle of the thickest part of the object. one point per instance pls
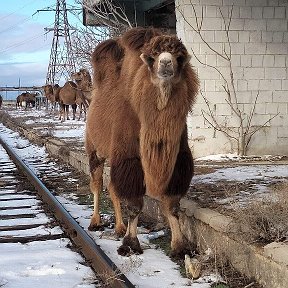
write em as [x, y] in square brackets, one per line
[120, 227]
[130, 242]
[96, 185]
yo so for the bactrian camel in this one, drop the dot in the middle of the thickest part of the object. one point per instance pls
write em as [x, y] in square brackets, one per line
[144, 89]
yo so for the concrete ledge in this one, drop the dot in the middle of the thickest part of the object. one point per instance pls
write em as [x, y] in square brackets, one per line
[210, 229]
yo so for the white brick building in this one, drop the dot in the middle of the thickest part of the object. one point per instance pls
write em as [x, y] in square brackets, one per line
[259, 44]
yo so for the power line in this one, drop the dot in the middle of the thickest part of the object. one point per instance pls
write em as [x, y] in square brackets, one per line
[15, 45]
[4, 17]
[16, 25]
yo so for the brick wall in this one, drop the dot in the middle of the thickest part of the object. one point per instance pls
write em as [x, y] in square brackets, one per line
[259, 44]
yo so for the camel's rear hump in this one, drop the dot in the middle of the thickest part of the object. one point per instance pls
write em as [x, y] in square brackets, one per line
[135, 39]
[106, 60]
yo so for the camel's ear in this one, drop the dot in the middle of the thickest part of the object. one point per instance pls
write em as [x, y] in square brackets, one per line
[149, 61]
[143, 58]
[188, 59]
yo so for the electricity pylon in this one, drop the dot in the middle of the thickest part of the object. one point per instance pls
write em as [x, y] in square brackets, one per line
[62, 62]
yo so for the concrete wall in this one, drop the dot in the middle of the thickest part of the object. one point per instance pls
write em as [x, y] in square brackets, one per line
[259, 42]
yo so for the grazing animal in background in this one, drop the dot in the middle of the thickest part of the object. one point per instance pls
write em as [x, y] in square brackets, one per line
[27, 98]
[84, 84]
[1, 100]
[69, 95]
[30, 99]
[65, 96]
[20, 98]
[144, 89]
[50, 95]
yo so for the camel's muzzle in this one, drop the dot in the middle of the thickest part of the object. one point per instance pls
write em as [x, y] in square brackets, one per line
[165, 66]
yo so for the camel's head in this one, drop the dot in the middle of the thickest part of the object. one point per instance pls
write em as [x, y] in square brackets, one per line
[83, 74]
[165, 57]
[47, 89]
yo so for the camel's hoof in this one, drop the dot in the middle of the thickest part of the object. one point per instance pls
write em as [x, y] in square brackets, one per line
[130, 246]
[124, 250]
[96, 227]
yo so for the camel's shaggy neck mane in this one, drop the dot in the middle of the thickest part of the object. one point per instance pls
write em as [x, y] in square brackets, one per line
[165, 94]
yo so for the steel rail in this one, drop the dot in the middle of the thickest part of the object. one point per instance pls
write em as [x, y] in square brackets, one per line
[99, 261]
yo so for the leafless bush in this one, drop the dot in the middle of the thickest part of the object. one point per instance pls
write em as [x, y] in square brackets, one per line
[110, 19]
[244, 129]
[265, 220]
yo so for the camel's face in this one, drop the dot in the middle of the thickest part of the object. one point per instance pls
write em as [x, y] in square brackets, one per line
[165, 57]
[47, 89]
[165, 65]
[77, 76]
[81, 75]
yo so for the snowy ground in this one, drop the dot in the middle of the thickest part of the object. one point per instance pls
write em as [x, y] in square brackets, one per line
[153, 267]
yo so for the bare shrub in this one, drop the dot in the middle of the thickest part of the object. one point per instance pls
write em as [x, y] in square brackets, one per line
[265, 220]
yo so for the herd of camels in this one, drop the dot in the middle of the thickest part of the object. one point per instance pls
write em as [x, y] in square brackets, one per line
[76, 94]
[143, 89]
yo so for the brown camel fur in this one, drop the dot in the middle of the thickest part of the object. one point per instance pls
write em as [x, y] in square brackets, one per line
[50, 95]
[144, 89]
[84, 84]
[20, 99]
[70, 95]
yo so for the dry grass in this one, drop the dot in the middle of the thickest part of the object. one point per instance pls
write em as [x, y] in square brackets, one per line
[265, 220]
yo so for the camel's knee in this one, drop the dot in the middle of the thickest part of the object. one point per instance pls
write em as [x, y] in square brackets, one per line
[171, 206]
[134, 207]
[95, 163]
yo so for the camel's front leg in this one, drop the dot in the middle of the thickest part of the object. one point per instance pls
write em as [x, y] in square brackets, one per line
[74, 107]
[67, 112]
[130, 242]
[170, 207]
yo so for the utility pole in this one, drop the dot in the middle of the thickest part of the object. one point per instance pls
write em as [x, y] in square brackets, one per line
[62, 62]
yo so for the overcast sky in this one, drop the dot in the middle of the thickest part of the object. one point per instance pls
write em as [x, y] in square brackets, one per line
[25, 48]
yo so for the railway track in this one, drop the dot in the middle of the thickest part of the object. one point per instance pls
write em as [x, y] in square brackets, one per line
[27, 216]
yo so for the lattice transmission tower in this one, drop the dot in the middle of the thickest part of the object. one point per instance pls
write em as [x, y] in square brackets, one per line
[62, 62]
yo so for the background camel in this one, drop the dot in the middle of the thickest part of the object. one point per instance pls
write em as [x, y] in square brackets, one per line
[51, 95]
[1, 100]
[84, 84]
[65, 96]
[144, 89]
[27, 98]
[70, 95]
